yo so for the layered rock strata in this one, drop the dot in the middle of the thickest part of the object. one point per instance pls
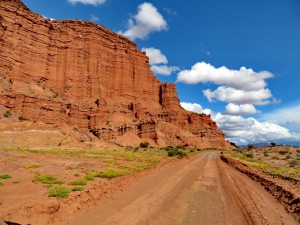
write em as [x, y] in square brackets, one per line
[83, 75]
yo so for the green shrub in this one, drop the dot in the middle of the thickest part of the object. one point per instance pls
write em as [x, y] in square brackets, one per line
[283, 152]
[90, 176]
[249, 155]
[109, 160]
[171, 153]
[278, 172]
[77, 189]
[59, 192]
[5, 176]
[175, 152]
[144, 144]
[250, 146]
[109, 173]
[1, 183]
[22, 118]
[80, 181]
[46, 179]
[181, 154]
[273, 144]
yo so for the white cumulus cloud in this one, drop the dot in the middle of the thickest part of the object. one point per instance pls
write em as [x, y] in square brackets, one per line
[233, 109]
[288, 116]
[243, 87]
[243, 79]
[158, 60]
[194, 107]
[249, 130]
[146, 21]
[242, 130]
[232, 95]
[155, 56]
[88, 2]
[164, 69]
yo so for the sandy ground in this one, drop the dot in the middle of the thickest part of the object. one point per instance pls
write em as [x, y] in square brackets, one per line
[202, 190]
[25, 202]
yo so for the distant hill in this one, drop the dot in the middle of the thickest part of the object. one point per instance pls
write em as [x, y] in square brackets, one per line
[257, 145]
[265, 144]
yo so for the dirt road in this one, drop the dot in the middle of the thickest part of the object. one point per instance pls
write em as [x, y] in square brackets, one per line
[202, 190]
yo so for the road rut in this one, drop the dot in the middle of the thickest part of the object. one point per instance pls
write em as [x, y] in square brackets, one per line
[201, 190]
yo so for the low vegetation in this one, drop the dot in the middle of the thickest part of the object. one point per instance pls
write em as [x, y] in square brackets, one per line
[144, 144]
[110, 173]
[5, 176]
[90, 177]
[109, 161]
[278, 161]
[46, 179]
[91, 165]
[23, 118]
[32, 166]
[77, 189]
[59, 192]
[175, 152]
[79, 181]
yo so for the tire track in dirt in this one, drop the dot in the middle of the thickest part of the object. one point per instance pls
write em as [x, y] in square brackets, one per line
[286, 191]
[201, 190]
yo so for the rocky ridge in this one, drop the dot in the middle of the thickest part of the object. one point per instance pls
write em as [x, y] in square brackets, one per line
[82, 75]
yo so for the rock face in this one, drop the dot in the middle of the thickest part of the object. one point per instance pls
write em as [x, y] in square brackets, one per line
[85, 76]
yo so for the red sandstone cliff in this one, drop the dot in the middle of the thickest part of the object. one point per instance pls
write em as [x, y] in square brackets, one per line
[85, 76]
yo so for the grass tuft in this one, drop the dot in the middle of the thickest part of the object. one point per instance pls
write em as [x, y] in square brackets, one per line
[59, 192]
[110, 173]
[77, 189]
[46, 179]
[109, 161]
[80, 181]
[32, 166]
[90, 176]
[5, 176]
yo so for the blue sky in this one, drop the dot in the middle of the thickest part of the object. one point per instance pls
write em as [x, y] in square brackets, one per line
[236, 60]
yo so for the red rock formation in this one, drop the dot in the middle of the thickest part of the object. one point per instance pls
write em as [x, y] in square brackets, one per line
[84, 75]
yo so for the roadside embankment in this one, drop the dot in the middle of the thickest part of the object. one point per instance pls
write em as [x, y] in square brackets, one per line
[285, 191]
